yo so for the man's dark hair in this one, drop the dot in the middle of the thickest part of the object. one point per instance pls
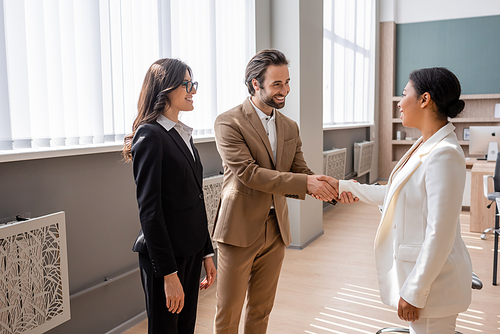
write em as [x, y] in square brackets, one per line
[258, 65]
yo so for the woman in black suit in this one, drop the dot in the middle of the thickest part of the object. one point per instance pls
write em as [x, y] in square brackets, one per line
[174, 240]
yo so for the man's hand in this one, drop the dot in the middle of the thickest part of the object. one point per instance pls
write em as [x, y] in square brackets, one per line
[320, 189]
[407, 311]
[345, 198]
[174, 293]
[211, 273]
[333, 182]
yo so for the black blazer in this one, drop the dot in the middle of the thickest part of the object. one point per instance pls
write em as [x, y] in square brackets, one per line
[170, 197]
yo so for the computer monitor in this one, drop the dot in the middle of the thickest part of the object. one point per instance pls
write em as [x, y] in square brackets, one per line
[484, 140]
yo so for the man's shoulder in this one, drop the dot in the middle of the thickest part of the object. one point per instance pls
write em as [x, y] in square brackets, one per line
[233, 113]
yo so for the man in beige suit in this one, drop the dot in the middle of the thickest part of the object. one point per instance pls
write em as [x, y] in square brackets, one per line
[263, 164]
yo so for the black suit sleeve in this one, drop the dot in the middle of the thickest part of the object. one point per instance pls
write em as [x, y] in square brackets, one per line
[147, 160]
[208, 246]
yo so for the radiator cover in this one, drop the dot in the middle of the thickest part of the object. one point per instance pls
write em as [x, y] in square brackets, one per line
[34, 285]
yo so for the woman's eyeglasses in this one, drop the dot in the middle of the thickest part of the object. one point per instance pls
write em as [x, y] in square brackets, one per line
[189, 86]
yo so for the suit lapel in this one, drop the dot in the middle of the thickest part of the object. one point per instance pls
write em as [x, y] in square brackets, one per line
[394, 190]
[199, 166]
[435, 139]
[185, 151]
[395, 181]
[255, 121]
[398, 181]
[280, 137]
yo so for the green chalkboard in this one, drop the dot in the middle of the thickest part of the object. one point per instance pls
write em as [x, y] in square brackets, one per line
[470, 48]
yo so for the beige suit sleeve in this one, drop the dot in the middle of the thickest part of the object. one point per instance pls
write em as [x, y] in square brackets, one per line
[234, 151]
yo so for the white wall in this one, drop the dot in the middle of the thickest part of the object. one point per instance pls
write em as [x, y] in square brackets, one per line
[410, 11]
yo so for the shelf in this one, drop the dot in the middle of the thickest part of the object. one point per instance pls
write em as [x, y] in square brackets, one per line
[475, 120]
[464, 97]
[411, 142]
[460, 120]
[469, 162]
[403, 142]
[480, 97]
[479, 111]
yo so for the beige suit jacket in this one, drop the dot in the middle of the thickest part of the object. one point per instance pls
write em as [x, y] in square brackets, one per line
[419, 249]
[253, 181]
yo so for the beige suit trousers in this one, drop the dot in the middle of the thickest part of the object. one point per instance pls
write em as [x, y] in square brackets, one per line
[252, 270]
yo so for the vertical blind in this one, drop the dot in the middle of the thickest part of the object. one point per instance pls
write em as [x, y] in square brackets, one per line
[348, 61]
[71, 70]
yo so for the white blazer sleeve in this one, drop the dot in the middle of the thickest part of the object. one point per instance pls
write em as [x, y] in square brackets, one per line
[444, 184]
[368, 193]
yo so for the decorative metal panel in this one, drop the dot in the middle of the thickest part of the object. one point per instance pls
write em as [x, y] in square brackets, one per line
[334, 163]
[363, 156]
[212, 187]
[34, 291]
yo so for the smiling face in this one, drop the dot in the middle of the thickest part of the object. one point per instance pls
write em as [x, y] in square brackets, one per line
[410, 107]
[274, 89]
[180, 100]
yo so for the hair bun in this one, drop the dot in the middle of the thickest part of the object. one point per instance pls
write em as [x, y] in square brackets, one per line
[456, 108]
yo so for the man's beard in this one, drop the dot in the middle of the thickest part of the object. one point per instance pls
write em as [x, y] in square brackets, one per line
[269, 99]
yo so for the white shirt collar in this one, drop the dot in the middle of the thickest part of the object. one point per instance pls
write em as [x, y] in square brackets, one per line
[182, 129]
[169, 124]
[261, 114]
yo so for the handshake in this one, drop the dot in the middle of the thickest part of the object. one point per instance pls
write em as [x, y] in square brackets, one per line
[326, 188]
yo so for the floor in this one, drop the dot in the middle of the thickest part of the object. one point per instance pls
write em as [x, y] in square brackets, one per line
[331, 285]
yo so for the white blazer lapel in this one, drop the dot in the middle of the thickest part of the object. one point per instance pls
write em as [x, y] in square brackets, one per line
[390, 184]
[435, 139]
[397, 182]
[391, 200]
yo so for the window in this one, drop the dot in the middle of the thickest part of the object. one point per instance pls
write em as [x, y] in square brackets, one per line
[348, 62]
[71, 71]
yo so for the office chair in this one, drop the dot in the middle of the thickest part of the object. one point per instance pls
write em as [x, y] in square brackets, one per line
[476, 285]
[494, 196]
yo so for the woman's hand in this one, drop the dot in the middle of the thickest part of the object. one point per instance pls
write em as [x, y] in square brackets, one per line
[407, 311]
[211, 273]
[347, 198]
[174, 293]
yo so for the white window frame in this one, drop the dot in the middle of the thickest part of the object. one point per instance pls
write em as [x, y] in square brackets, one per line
[349, 61]
[119, 88]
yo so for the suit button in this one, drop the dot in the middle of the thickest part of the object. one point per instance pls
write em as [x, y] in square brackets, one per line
[394, 226]
[200, 196]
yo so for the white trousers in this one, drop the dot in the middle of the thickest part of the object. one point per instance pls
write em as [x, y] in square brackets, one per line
[434, 325]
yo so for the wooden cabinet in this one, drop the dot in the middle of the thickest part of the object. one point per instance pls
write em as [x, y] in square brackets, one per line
[481, 217]
[479, 111]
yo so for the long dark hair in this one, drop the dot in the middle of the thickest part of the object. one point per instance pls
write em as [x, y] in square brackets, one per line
[444, 88]
[163, 77]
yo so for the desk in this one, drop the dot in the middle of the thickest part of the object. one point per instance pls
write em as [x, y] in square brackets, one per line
[481, 217]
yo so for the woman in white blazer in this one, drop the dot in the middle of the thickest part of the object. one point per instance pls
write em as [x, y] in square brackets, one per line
[424, 268]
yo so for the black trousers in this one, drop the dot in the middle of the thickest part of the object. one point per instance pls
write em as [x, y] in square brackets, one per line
[160, 320]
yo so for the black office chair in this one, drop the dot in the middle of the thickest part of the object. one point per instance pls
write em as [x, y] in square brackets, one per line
[494, 196]
[476, 285]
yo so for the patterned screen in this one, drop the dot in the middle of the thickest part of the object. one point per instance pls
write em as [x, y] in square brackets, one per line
[33, 276]
[211, 191]
[334, 163]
